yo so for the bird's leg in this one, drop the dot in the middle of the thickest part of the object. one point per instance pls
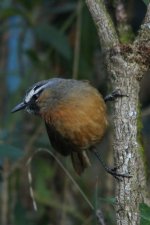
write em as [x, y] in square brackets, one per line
[112, 171]
[115, 94]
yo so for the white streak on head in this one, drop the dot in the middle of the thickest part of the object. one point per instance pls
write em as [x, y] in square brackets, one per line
[29, 95]
[33, 92]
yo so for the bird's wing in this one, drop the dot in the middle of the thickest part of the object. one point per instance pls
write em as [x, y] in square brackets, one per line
[58, 142]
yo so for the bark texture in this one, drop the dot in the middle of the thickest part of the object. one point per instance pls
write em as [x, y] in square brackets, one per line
[126, 65]
[130, 192]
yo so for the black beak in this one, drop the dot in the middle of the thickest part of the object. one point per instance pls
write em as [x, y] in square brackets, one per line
[19, 107]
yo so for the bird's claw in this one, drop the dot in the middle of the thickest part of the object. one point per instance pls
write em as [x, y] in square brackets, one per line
[118, 176]
[115, 94]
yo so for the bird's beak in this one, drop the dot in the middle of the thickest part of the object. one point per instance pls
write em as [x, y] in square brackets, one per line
[19, 107]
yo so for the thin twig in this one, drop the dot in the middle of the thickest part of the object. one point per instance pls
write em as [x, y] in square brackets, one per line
[77, 41]
[99, 214]
[30, 184]
[100, 217]
[66, 172]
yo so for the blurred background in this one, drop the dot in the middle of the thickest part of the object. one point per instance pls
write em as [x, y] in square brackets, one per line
[41, 40]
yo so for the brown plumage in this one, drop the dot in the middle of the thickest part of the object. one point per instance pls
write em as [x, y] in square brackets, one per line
[74, 113]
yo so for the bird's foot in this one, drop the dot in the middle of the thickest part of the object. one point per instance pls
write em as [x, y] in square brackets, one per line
[112, 171]
[116, 175]
[115, 94]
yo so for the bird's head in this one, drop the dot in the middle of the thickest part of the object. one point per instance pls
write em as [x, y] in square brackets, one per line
[37, 97]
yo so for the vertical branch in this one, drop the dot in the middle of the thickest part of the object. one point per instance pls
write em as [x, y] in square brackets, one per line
[124, 72]
[105, 28]
[147, 16]
[126, 149]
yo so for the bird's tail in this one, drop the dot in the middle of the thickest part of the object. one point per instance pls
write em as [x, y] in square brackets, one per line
[80, 161]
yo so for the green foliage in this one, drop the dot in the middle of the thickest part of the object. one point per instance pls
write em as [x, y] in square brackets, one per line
[44, 172]
[126, 34]
[20, 215]
[146, 2]
[88, 44]
[28, 4]
[9, 11]
[145, 214]
[51, 35]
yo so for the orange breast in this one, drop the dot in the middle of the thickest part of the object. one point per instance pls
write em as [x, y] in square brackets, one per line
[81, 120]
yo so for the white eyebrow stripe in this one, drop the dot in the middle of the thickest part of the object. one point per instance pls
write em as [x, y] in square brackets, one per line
[34, 92]
[29, 95]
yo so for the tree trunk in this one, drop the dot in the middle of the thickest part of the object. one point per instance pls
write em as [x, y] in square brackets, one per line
[126, 65]
[126, 147]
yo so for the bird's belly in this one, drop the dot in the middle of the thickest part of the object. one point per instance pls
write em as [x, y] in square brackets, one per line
[81, 129]
[83, 136]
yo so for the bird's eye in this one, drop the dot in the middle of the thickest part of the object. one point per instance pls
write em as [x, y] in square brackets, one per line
[35, 96]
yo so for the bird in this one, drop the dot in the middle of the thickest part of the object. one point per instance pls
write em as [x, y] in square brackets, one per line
[75, 116]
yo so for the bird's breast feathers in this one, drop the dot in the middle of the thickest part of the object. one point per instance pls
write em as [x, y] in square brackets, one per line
[83, 122]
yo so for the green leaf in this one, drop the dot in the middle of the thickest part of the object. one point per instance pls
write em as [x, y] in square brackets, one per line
[32, 54]
[20, 215]
[43, 174]
[145, 214]
[146, 2]
[10, 11]
[13, 11]
[10, 152]
[54, 37]
[28, 4]
[7, 12]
